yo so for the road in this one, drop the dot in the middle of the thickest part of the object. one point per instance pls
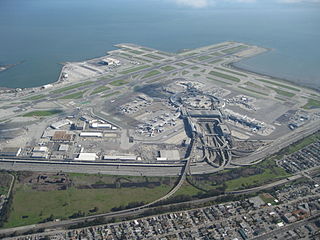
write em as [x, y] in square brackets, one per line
[137, 211]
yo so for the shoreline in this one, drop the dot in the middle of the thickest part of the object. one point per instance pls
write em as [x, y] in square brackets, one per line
[231, 65]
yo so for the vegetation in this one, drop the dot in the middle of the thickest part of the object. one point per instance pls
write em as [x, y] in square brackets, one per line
[99, 90]
[89, 194]
[156, 57]
[36, 97]
[135, 69]
[5, 181]
[312, 103]
[234, 49]
[136, 52]
[283, 93]
[165, 54]
[279, 85]
[75, 95]
[42, 113]
[168, 68]
[110, 94]
[151, 73]
[184, 72]
[216, 80]
[194, 68]
[215, 61]
[181, 64]
[229, 71]
[225, 76]
[117, 83]
[254, 91]
[60, 90]
[202, 58]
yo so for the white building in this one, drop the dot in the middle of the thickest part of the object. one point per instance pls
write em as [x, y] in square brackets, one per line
[86, 157]
[91, 134]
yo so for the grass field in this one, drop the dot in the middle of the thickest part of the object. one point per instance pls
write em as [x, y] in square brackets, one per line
[254, 91]
[283, 93]
[303, 143]
[136, 52]
[42, 113]
[225, 76]
[36, 97]
[76, 95]
[36, 206]
[60, 90]
[151, 73]
[135, 69]
[219, 81]
[31, 206]
[168, 68]
[110, 94]
[184, 72]
[234, 49]
[181, 64]
[312, 103]
[202, 58]
[194, 68]
[117, 83]
[99, 90]
[229, 71]
[5, 181]
[279, 85]
[156, 57]
[215, 61]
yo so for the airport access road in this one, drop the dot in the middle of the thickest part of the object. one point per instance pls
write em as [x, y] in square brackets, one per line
[135, 211]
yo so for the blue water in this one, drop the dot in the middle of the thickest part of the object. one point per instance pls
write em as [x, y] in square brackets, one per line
[44, 33]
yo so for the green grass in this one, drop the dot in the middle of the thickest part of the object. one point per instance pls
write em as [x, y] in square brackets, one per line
[146, 49]
[196, 75]
[126, 55]
[234, 49]
[225, 76]
[216, 80]
[5, 181]
[117, 83]
[181, 64]
[254, 91]
[251, 84]
[216, 54]
[279, 85]
[184, 72]
[194, 68]
[136, 52]
[110, 94]
[233, 72]
[202, 58]
[165, 54]
[36, 97]
[42, 113]
[312, 103]
[156, 57]
[60, 90]
[76, 95]
[215, 61]
[268, 175]
[168, 68]
[151, 73]
[99, 90]
[39, 205]
[135, 69]
[283, 93]
[303, 143]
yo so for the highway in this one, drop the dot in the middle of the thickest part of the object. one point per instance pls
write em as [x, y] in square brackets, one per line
[137, 211]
